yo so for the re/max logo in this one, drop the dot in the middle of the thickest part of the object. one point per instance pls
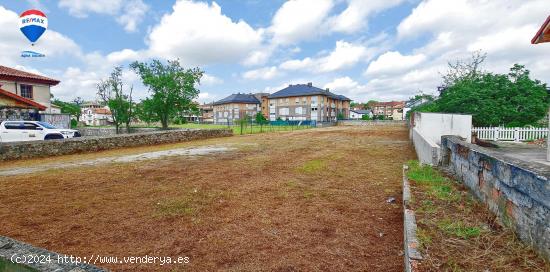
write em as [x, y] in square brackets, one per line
[32, 20]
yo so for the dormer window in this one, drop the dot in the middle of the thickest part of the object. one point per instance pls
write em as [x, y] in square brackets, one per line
[26, 91]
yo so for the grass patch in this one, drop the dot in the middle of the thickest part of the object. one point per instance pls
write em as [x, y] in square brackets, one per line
[188, 204]
[424, 174]
[458, 228]
[313, 166]
[456, 232]
[438, 185]
[423, 238]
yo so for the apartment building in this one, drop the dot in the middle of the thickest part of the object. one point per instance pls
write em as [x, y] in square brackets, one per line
[236, 106]
[389, 110]
[306, 102]
[207, 113]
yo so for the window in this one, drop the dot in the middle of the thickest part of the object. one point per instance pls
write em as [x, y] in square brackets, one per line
[30, 126]
[298, 110]
[297, 100]
[26, 91]
[13, 126]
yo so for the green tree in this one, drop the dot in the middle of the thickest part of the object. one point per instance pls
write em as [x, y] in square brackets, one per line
[173, 87]
[496, 99]
[145, 112]
[370, 104]
[70, 108]
[261, 120]
[365, 117]
[111, 91]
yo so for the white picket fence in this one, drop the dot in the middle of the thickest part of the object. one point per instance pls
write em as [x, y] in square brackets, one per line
[517, 134]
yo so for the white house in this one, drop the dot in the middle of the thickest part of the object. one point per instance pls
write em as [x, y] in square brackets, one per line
[358, 114]
[93, 114]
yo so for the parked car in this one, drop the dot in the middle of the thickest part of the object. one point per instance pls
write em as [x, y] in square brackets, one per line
[21, 131]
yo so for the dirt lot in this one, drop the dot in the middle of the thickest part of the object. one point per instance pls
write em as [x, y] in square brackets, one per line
[307, 200]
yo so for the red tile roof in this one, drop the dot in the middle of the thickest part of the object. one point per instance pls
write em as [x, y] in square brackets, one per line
[543, 35]
[23, 100]
[390, 104]
[8, 73]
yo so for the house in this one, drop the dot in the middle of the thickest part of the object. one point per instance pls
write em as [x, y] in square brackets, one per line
[234, 107]
[389, 110]
[94, 114]
[28, 85]
[543, 34]
[358, 114]
[207, 113]
[15, 107]
[306, 102]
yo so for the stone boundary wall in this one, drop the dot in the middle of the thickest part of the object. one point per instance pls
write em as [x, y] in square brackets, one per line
[516, 191]
[99, 131]
[412, 254]
[371, 123]
[427, 151]
[27, 150]
[17, 251]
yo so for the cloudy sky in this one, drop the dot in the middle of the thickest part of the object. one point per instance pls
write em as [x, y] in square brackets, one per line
[364, 49]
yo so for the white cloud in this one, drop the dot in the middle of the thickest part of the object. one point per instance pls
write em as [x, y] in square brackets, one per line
[199, 34]
[299, 20]
[355, 16]
[258, 57]
[344, 55]
[457, 28]
[129, 13]
[124, 55]
[132, 15]
[265, 73]
[210, 80]
[393, 62]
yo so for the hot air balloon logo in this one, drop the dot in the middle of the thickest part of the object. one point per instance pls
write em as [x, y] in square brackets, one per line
[33, 23]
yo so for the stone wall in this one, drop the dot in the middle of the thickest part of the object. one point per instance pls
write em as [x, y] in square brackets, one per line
[26, 150]
[109, 131]
[516, 191]
[371, 122]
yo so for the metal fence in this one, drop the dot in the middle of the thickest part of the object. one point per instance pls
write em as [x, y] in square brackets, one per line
[251, 127]
[516, 134]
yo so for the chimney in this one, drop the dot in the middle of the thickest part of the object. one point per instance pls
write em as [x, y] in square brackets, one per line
[309, 84]
[328, 90]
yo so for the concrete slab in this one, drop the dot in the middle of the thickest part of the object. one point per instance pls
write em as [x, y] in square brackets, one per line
[522, 151]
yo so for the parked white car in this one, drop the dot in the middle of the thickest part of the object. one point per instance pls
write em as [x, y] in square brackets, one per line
[21, 131]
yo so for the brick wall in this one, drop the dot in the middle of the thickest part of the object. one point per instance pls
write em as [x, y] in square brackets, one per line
[26, 150]
[516, 191]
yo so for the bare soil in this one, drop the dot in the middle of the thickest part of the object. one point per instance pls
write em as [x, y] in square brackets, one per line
[312, 200]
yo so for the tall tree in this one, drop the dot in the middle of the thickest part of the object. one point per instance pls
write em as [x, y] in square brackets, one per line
[112, 92]
[464, 69]
[145, 112]
[497, 99]
[173, 87]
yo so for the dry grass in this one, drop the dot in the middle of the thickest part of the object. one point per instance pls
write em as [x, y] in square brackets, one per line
[310, 200]
[458, 233]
